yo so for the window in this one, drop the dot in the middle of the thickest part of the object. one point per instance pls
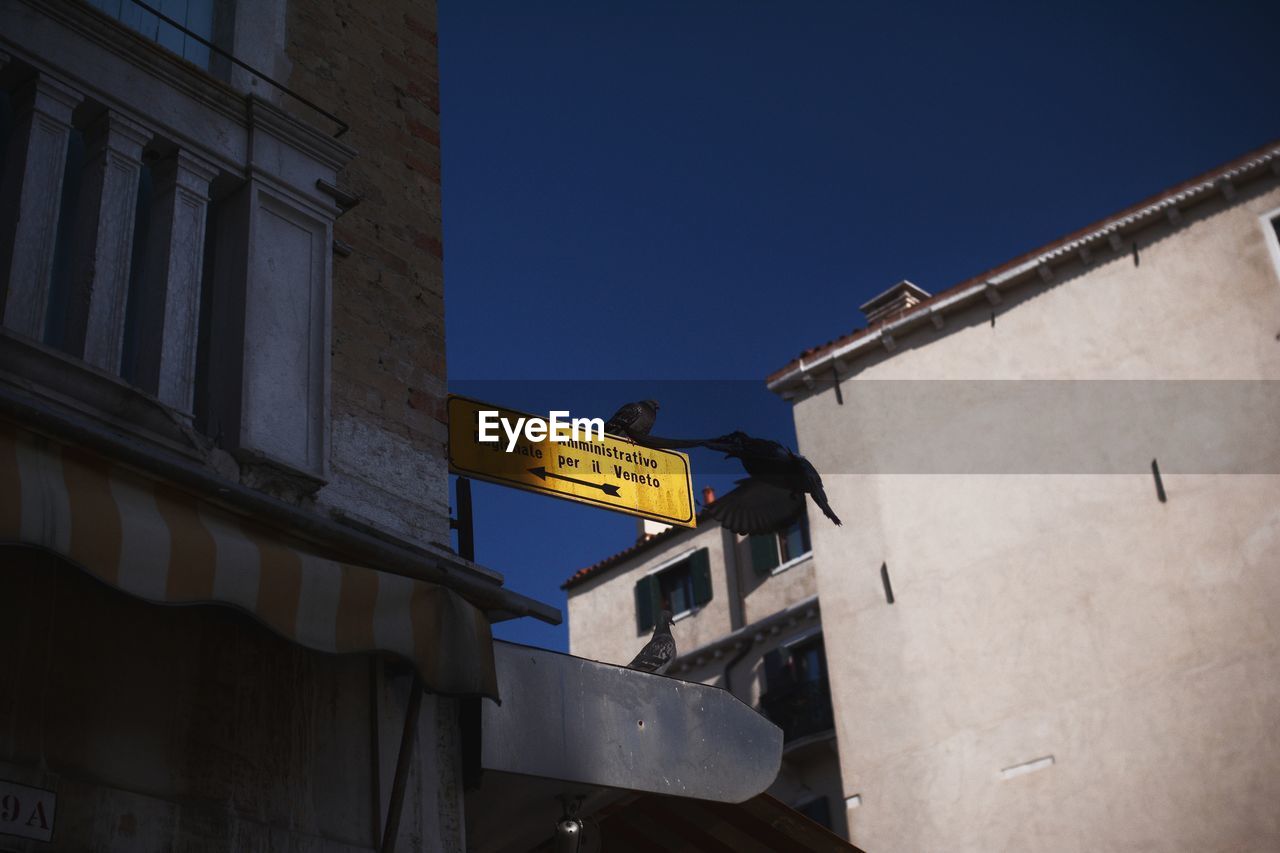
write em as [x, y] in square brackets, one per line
[199, 16]
[794, 541]
[682, 587]
[797, 694]
[6, 125]
[770, 550]
[818, 811]
[1271, 233]
[802, 663]
[64, 243]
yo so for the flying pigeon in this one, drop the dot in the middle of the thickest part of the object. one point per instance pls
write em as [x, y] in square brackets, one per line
[757, 507]
[660, 651]
[772, 497]
[633, 419]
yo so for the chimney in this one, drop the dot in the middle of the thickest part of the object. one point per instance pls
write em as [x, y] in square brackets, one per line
[900, 297]
[647, 528]
[708, 496]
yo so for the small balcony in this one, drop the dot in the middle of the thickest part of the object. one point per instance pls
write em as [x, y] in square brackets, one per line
[800, 710]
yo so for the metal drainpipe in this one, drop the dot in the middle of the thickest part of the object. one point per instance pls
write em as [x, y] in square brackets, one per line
[733, 577]
[734, 661]
[736, 615]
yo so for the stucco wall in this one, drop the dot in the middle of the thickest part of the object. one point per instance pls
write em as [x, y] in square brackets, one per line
[765, 596]
[602, 611]
[376, 67]
[1073, 616]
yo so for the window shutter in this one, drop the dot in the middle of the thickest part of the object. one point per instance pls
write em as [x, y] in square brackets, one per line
[764, 553]
[646, 610]
[700, 573]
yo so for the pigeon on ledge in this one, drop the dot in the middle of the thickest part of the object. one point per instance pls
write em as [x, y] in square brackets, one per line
[660, 651]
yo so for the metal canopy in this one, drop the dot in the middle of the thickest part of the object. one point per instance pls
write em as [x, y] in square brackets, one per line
[594, 723]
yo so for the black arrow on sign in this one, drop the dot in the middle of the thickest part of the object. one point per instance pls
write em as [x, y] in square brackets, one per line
[543, 473]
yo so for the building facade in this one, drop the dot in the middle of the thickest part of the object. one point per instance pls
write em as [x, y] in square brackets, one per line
[222, 386]
[222, 381]
[1046, 620]
[746, 619]
[1048, 616]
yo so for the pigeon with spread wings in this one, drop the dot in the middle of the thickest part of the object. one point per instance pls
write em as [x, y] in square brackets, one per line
[772, 498]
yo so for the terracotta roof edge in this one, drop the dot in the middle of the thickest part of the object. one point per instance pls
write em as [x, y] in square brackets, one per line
[849, 345]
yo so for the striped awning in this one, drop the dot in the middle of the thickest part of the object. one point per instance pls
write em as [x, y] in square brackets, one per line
[165, 545]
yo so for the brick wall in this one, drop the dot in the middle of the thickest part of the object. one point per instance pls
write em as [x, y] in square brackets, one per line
[375, 66]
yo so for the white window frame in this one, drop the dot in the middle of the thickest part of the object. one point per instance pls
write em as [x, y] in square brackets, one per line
[794, 561]
[671, 561]
[1268, 221]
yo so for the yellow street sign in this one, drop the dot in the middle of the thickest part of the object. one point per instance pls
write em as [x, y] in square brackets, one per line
[609, 472]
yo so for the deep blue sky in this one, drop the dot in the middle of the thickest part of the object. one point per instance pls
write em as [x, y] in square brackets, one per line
[700, 190]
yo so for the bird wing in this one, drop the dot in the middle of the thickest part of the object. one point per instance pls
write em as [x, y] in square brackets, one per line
[814, 488]
[656, 655]
[757, 507]
[624, 419]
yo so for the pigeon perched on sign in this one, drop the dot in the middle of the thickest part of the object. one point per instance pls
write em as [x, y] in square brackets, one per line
[633, 419]
[660, 651]
[772, 497]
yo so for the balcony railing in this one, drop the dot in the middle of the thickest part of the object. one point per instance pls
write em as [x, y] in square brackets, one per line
[800, 709]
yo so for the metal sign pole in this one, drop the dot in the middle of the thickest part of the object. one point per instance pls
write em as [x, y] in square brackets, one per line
[464, 523]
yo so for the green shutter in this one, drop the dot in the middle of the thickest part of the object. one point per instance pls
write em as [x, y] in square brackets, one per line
[700, 572]
[764, 553]
[647, 603]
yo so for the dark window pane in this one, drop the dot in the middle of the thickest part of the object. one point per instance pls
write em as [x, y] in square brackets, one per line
[6, 124]
[818, 811]
[205, 349]
[137, 274]
[55, 322]
[677, 588]
[797, 696]
[794, 541]
[775, 669]
[676, 592]
[197, 16]
[809, 661]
